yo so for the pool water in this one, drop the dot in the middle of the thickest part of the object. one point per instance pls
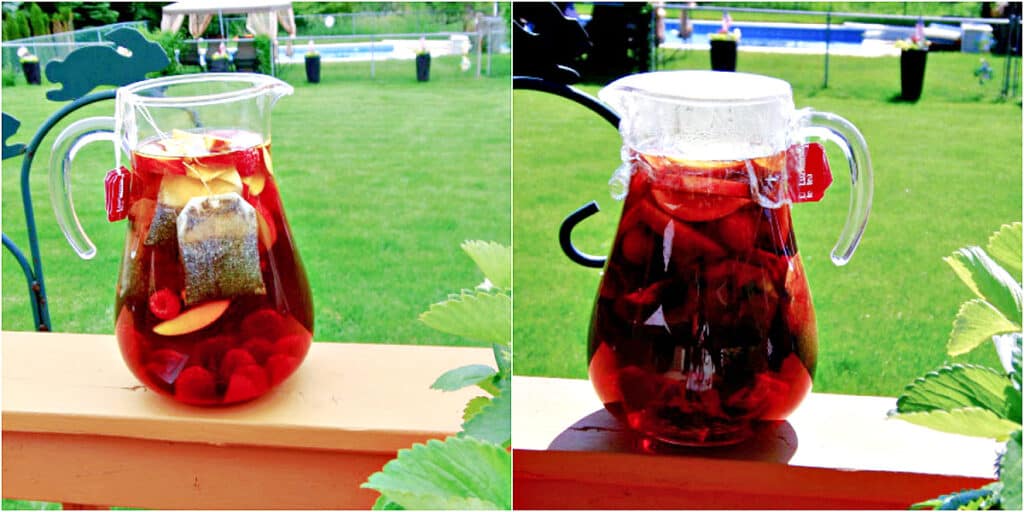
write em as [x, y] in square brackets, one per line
[805, 36]
[341, 51]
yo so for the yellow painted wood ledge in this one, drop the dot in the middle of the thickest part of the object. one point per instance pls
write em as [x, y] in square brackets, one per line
[835, 451]
[78, 427]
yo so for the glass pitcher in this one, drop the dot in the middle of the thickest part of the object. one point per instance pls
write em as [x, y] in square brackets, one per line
[212, 303]
[703, 322]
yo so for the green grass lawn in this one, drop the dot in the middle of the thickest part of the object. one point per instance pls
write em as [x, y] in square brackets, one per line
[947, 174]
[382, 179]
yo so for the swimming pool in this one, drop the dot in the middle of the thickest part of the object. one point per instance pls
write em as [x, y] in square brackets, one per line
[340, 52]
[802, 36]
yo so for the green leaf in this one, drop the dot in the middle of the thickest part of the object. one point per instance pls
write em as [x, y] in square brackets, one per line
[954, 387]
[1010, 473]
[968, 421]
[465, 376]
[478, 315]
[976, 322]
[383, 503]
[494, 422]
[494, 260]
[969, 499]
[474, 406]
[460, 473]
[1012, 399]
[503, 357]
[1015, 362]
[1005, 247]
[988, 280]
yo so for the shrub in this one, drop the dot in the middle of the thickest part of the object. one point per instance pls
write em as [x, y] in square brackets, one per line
[263, 52]
[38, 19]
[9, 77]
[169, 41]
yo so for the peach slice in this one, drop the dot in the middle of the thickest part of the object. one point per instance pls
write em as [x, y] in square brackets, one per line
[193, 319]
[256, 182]
[175, 191]
[267, 230]
[266, 161]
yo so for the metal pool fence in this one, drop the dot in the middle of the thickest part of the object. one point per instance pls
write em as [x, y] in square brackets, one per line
[1012, 27]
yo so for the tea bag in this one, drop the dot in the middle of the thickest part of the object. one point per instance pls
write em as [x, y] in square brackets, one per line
[175, 191]
[164, 226]
[219, 249]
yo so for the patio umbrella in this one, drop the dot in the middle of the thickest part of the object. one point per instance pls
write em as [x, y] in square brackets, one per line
[263, 15]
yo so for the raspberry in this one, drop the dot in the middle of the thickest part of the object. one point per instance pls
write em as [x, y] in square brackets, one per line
[165, 304]
[195, 385]
[234, 359]
[260, 348]
[280, 366]
[294, 345]
[246, 383]
[262, 323]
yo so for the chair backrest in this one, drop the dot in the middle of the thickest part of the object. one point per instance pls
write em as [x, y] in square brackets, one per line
[189, 55]
[246, 50]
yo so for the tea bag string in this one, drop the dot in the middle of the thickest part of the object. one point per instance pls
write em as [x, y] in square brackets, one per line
[144, 112]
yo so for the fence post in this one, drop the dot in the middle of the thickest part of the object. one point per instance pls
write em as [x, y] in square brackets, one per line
[373, 58]
[1011, 43]
[828, 40]
[479, 45]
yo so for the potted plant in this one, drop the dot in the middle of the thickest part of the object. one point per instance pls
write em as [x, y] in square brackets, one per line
[312, 65]
[913, 56]
[30, 66]
[219, 60]
[422, 62]
[723, 46]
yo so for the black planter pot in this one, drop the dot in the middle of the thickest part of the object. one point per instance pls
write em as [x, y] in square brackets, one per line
[217, 65]
[313, 69]
[423, 67]
[912, 74]
[723, 55]
[31, 70]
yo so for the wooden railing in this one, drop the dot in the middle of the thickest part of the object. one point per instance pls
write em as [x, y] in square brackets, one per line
[78, 427]
[835, 451]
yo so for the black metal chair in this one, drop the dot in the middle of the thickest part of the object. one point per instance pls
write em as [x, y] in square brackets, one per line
[189, 56]
[246, 58]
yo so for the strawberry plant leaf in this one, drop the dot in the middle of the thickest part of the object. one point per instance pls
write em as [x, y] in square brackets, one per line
[383, 503]
[968, 421]
[955, 387]
[494, 422]
[462, 377]
[461, 473]
[474, 406]
[503, 356]
[477, 315]
[1010, 473]
[988, 280]
[976, 322]
[493, 259]
[1005, 247]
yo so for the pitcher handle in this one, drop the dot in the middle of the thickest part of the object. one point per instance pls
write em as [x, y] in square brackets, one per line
[830, 127]
[68, 143]
[565, 237]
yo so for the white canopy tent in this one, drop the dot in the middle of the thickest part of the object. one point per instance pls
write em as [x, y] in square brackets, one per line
[263, 15]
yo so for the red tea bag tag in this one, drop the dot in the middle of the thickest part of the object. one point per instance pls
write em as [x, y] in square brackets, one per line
[118, 186]
[807, 182]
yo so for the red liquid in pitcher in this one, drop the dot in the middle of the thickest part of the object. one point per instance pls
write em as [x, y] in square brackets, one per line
[703, 322]
[205, 317]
